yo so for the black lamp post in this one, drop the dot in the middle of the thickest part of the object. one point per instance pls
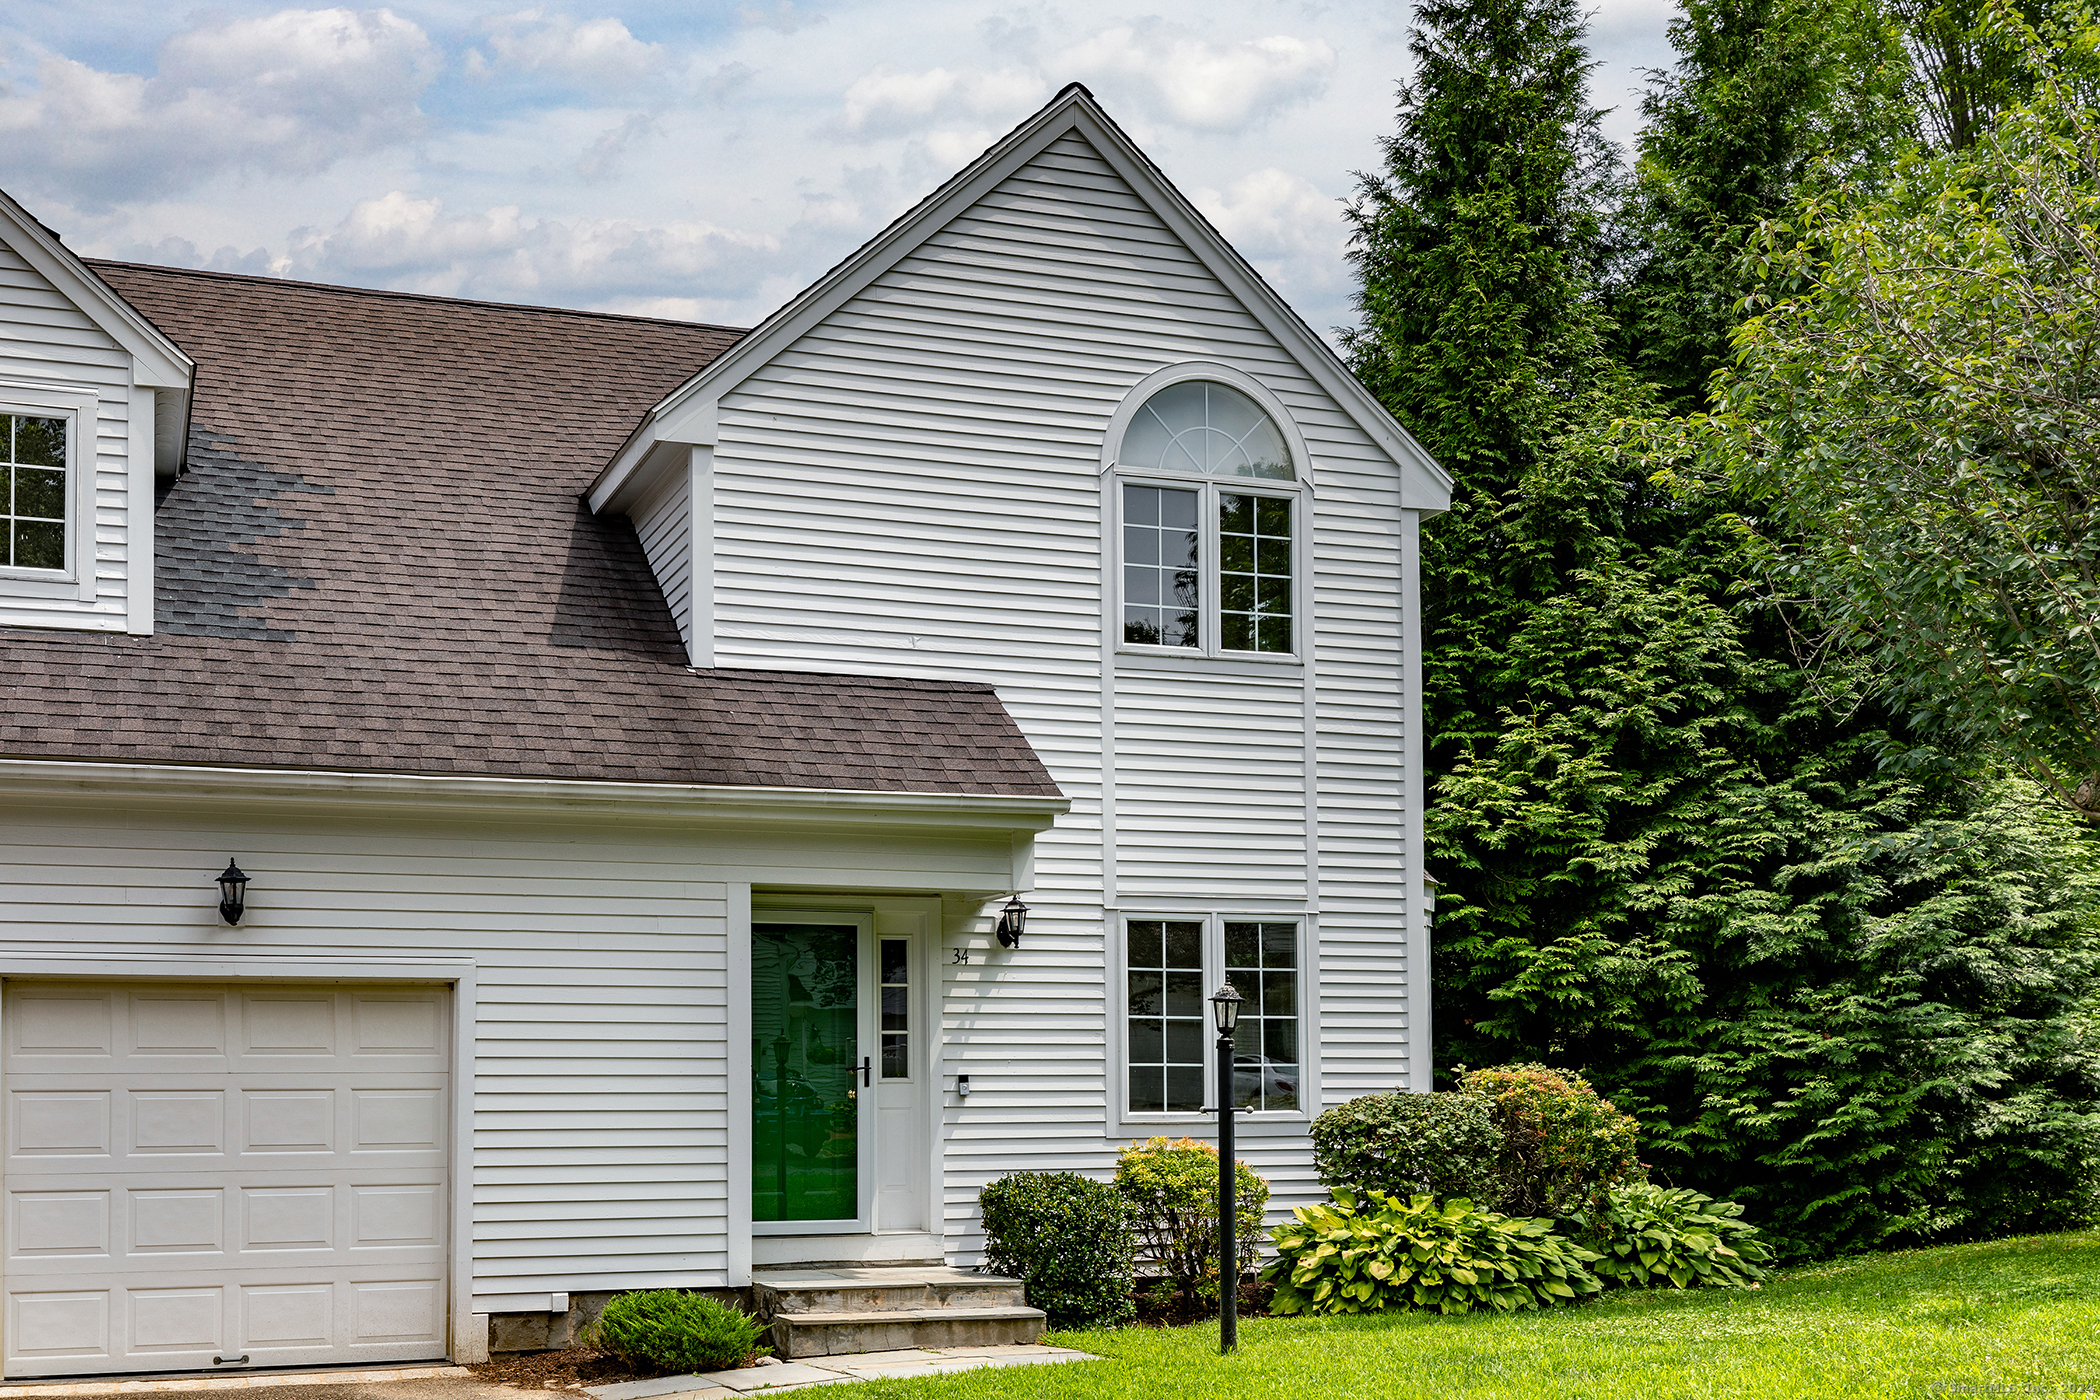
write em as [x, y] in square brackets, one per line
[233, 893]
[1225, 1009]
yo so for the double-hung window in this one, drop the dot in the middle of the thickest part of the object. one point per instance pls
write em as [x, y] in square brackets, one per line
[1207, 513]
[33, 492]
[1170, 967]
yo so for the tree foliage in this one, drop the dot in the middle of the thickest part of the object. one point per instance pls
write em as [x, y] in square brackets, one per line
[1852, 996]
[1915, 427]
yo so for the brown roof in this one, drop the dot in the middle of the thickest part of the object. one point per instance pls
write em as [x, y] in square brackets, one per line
[379, 559]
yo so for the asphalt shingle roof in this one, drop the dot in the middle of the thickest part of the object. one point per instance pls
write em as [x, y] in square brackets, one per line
[380, 560]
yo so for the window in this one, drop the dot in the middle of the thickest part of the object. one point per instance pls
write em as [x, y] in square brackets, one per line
[1170, 968]
[1261, 963]
[1168, 1015]
[33, 506]
[1207, 568]
[896, 1008]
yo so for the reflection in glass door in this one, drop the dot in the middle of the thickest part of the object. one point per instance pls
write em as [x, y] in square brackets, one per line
[806, 1071]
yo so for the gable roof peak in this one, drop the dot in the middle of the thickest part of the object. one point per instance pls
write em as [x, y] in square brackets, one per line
[687, 414]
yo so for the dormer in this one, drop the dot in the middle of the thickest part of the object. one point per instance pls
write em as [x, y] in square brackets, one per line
[94, 403]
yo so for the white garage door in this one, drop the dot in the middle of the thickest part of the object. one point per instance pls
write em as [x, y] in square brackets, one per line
[197, 1172]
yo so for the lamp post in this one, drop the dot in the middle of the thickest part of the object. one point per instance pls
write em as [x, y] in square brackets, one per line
[1225, 1010]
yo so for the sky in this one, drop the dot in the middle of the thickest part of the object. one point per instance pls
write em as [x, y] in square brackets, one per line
[702, 161]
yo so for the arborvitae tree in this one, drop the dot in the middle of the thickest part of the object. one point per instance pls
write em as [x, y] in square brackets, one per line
[1664, 860]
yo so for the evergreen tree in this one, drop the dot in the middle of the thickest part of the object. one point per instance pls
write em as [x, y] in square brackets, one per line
[1664, 860]
[1765, 94]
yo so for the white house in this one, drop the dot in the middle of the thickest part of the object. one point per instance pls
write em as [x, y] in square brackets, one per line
[631, 732]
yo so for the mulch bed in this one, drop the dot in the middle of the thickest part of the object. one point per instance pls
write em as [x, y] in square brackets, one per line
[568, 1370]
[1159, 1306]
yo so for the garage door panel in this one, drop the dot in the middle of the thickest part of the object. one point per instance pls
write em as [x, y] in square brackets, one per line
[71, 1123]
[258, 1171]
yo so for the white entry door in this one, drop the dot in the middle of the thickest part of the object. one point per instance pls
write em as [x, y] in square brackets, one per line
[205, 1177]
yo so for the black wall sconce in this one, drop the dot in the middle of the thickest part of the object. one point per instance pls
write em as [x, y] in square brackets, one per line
[1012, 920]
[233, 893]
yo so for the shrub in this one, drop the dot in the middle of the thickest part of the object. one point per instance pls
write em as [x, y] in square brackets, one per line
[677, 1332]
[1647, 1235]
[1441, 1145]
[1454, 1257]
[1563, 1146]
[1172, 1191]
[1068, 1239]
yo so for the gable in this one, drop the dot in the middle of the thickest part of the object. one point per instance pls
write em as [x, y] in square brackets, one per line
[1068, 159]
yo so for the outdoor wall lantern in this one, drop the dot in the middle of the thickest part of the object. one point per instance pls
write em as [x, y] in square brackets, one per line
[233, 893]
[1225, 1009]
[1012, 920]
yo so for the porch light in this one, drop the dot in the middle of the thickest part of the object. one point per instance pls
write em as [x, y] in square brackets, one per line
[1225, 1008]
[233, 893]
[1012, 920]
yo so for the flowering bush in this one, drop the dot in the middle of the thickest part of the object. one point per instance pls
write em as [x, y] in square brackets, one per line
[1172, 1191]
[1563, 1146]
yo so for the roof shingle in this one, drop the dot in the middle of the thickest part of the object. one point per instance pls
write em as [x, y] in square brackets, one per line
[380, 560]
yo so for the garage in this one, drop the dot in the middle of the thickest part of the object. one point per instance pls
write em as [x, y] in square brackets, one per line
[211, 1176]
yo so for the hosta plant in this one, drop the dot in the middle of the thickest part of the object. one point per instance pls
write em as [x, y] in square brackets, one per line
[1649, 1236]
[1352, 1257]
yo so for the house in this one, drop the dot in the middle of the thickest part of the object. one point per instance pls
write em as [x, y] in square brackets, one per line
[631, 734]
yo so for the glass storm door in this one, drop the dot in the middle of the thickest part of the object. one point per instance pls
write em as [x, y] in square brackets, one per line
[807, 1072]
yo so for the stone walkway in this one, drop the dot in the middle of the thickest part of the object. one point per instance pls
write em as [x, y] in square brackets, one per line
[831, 1370]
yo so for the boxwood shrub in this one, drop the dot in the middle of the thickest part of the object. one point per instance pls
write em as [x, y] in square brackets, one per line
[1387, 1253]
[676, 1332]
[1649, 1236]
[1068, 1240]
[1441, 1145]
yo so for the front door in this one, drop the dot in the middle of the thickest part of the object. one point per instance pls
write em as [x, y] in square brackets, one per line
[812, 1062]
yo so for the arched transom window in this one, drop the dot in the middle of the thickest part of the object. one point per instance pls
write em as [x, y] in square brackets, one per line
[1207, 428]
[1209, 565]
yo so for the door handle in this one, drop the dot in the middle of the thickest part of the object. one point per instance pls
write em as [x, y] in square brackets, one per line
[867, 1063]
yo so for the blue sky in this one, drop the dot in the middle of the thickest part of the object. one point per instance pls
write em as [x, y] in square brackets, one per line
[700, 161]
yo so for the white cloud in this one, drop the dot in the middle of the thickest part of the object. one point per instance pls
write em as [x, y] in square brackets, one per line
[401, 241]
[285, 93]
[593, 52]
[887, 102]
[1275, 214]
[1197, 83]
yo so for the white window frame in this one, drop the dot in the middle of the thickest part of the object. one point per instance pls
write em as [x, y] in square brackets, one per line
[1130, 1121]
[1298, 490]
[80, 408]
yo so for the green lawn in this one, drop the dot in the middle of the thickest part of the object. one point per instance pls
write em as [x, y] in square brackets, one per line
[2009, 1317]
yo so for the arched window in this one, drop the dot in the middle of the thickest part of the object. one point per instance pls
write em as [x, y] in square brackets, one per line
[1207, 428]
[1206, 566]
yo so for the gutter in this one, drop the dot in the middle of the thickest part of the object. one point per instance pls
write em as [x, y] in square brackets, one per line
[684, 803]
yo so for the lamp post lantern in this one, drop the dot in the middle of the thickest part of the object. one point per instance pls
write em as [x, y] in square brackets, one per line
[1225, 1009]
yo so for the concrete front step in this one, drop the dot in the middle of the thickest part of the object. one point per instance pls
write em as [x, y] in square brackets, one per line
[797, 1336]
[849, 1310]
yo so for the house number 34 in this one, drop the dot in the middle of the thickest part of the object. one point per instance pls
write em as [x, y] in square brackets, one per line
[962, 957]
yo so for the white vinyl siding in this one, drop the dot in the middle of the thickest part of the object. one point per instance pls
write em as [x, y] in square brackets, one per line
[663, 521]
[914, 487]
[599, 957]
[47, 342]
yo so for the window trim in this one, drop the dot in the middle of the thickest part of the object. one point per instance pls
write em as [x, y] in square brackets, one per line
[1129, 1121]
[1300, 490]
[79, 407]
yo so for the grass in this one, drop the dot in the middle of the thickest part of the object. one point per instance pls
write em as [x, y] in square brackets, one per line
[2006, 1317]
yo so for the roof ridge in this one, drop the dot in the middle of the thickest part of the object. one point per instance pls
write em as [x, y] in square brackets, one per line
[275, 281]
